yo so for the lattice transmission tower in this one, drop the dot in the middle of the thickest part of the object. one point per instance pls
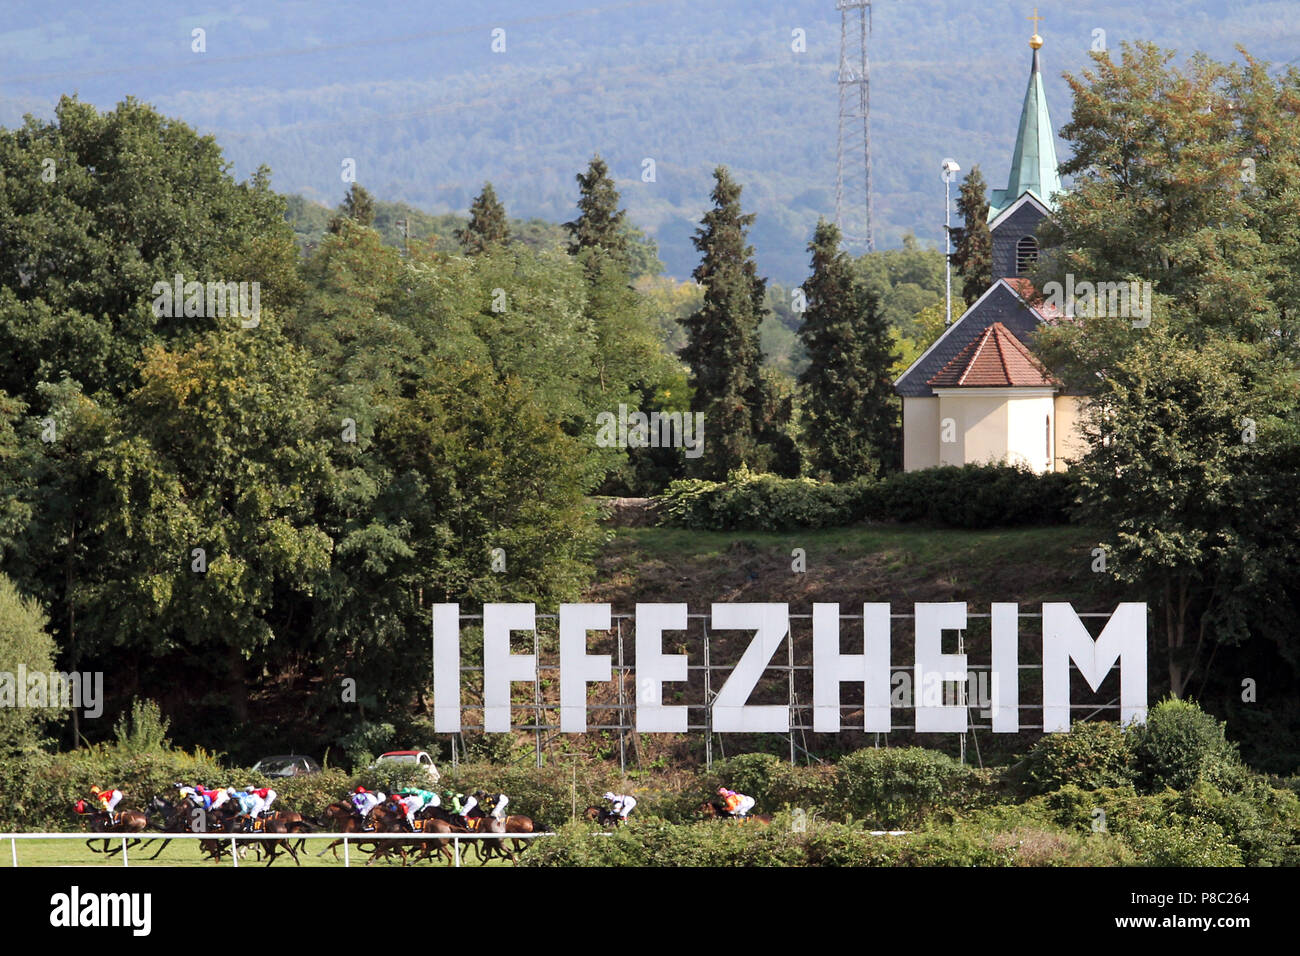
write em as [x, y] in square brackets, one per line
[853, 152]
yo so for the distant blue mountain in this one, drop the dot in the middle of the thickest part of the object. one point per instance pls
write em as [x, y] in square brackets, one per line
[428, 111]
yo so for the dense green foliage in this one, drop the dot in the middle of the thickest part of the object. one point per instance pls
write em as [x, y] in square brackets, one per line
[1194, 425]
[1180, 745]
[971, 496]
[722, 346]
[24, 642]
[1092, 756]
[487, 224]
[972, 247]
[850, 412]
[1072, 809]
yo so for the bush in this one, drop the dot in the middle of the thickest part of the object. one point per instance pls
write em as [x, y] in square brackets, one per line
[971, 496]
[1263, 823]
[772, 782]
[1179, 842]
[1179, 745]
[901, 788]
[549, 794]
[24, 642]
[41, 788]
[1092, 756]
[757, 502]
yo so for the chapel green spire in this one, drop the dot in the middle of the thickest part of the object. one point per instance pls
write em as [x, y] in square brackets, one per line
[1033, 164]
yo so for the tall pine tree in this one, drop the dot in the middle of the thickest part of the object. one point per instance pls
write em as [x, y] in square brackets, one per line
[487, 223]
[629, 365]
[972, 254]
[599, 224]
[357, 205]
[850, 416]
[722, 345]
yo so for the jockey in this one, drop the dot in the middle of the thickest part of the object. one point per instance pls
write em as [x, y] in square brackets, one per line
[413, 800]
[244, 801]
[621, 803]
[363, 801]
[736, 804]
[189, 793]
[108, 799]
[460, 805]
[263, 798]
[210, 799]
[411, 804]
[495, 807]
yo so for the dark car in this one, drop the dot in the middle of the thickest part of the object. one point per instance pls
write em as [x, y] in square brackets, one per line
[286, 765]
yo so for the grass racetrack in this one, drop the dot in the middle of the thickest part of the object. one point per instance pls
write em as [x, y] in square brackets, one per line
[186, 853]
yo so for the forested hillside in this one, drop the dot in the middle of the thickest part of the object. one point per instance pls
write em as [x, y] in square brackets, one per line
[428, 111]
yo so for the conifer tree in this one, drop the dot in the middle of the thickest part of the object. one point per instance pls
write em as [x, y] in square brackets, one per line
[357, 205]
[600, 222]
[972, 254]
[487, 223]
[850, 419]
[722, 344]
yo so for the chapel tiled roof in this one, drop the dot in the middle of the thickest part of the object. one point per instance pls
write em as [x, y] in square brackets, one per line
[996, 359]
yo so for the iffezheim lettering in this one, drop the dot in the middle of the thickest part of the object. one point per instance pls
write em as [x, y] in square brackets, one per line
[1065, 639]
[76, 909]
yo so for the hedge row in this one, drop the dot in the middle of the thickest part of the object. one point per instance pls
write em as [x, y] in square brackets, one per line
[788, 842]
[971, 496]
[1069, 827]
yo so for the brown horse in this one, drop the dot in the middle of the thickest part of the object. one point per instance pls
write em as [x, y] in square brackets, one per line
[602, 815]
[341, 818]
[184, 817]
[715, 811]
[123, 821]
[292, 822]
[280, 823]
[428, 821]
[389, 817]
[513, 823]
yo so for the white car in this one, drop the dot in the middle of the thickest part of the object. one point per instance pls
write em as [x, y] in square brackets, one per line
[416, 757]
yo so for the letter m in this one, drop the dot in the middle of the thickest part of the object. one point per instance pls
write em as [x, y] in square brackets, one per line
[1113, 297]
[1065, 639]
[219, 293]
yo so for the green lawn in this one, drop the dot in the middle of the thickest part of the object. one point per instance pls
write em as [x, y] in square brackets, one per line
[187, 853]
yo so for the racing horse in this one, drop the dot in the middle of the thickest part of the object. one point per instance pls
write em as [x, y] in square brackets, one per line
[286, 823]
[513, 823]
[389, 817]
[342, 818]
[179, 817]
[710, 810]
[122, 821]
[602, 815]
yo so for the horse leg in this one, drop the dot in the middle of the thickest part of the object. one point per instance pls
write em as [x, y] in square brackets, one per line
[160, 849]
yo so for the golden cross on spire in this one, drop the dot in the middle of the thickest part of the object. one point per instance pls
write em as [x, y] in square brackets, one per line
[1035, 41]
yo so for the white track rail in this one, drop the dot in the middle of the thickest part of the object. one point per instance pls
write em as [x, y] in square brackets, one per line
[236, 838]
